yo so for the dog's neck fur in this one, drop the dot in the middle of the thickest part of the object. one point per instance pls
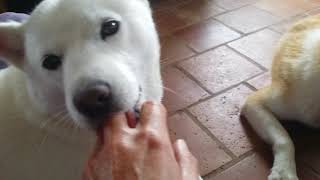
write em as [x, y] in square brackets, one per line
[14, 86]
[23, 139]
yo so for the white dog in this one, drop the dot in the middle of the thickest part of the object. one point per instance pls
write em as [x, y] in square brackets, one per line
[292, 95]
[72, 63]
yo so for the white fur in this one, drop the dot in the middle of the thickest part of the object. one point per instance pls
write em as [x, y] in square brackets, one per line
[37, 118]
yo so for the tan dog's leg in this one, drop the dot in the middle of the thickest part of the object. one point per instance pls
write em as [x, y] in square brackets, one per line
[269, 128]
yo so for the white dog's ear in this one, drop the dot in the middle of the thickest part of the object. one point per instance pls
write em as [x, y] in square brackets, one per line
[12, 43]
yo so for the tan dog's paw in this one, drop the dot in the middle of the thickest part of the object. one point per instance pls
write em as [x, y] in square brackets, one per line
[281, 173]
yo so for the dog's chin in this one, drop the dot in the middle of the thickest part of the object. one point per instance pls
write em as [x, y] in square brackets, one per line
[84, 122]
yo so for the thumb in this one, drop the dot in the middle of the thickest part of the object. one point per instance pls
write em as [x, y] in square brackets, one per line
[188, 163]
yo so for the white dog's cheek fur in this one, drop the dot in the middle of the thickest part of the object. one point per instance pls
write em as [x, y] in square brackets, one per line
[76, 117]
[112, 69]
[44, 92]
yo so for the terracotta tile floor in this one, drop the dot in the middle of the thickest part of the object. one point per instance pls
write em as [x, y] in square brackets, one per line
[215, 53]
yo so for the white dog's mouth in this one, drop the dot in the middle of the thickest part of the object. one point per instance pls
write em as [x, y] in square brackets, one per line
[97, 104]
[137, 107]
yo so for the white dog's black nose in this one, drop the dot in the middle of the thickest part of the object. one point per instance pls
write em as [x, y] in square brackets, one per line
[94, 101]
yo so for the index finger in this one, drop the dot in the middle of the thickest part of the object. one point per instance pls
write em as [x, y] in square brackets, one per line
[116, 123]
[153, 115]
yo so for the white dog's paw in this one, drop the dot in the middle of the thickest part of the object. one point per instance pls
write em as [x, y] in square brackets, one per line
[282, 174]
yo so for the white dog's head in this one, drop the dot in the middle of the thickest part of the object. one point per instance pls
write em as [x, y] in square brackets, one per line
[96, 57]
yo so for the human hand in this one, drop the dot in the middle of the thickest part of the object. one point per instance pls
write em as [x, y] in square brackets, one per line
[143, 152]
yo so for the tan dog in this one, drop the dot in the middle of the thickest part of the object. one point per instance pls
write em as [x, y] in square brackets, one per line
[293, 94]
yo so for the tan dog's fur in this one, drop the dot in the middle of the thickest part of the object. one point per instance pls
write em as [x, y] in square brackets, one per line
[292, 95]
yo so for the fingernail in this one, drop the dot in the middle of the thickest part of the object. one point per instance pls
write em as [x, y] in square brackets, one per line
[181, 143]
[150, 103]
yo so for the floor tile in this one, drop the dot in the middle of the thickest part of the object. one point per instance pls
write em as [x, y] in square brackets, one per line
[221, 116]
[258, 167]
[173, 49]
[284, 26]
[180, 91]
[167, 22]
[305, 173]
[253, 167]
[207, 34]
[220, 68]
[233, 4]
[312, 12]
[260, 81]
[207, 151]
[285, 8]
[159, 5]
[198, 10]
[259, 46]
[308, 152]
[248, 19]
[216, 42]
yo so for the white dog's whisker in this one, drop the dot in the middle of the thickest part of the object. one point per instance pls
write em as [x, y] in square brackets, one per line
[165, 88]
[50, 119]
[61, 120]
[45, 137]
[170, 91]
[74, 130]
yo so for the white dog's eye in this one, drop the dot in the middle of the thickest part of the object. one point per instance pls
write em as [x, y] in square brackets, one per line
[109, 28]
[51, 62]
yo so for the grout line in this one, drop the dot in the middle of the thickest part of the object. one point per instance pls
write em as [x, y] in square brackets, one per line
[187, 24]
[249, 86]
[230, 164]
[190, 76]
[229, 27]
[171, 10]
[196, 53]
[193, 104]
[211, 135]
[270, 13]
[242, 35]
[281, 19]
[235, 160]
[219, 6]
[234, 9]
[170, 6]
[217, 94]
[315, 172]
[248, 59]
[215, 47]
[274, 30]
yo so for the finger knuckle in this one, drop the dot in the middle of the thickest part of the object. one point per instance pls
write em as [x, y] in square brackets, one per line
[142, 135]
[191, 158]
[195, 161]
[163, 109]
[156, 142]
[120, 145]
[153, 138]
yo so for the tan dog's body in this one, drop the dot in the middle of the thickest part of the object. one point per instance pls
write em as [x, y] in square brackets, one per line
[292, 95]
